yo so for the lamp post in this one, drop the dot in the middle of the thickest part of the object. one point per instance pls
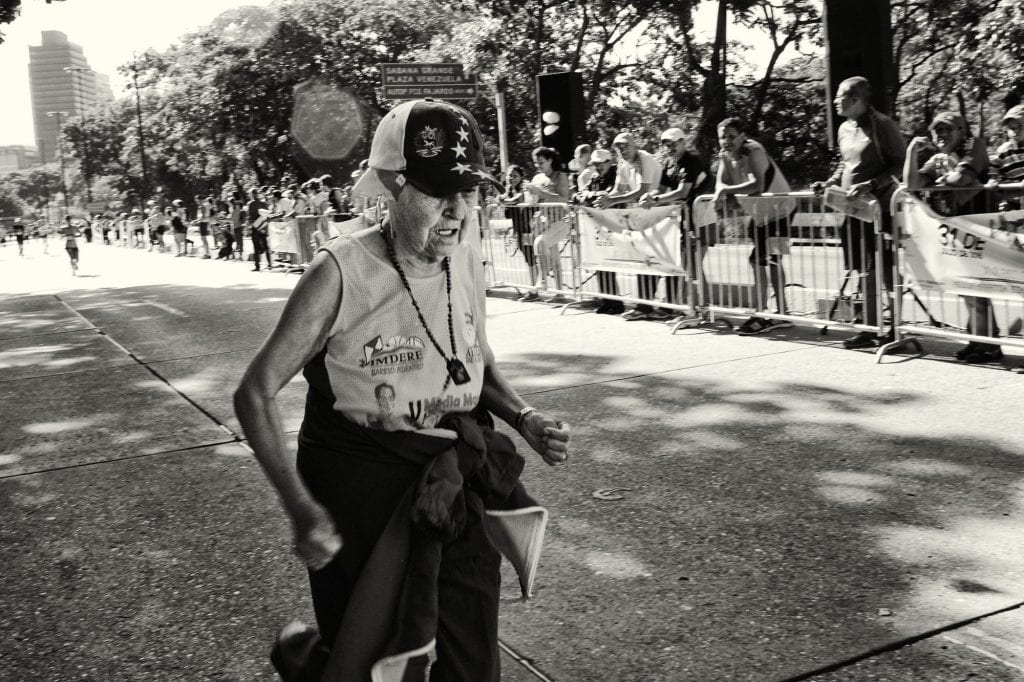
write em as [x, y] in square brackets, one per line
[87, 161]
[142, 140]
[60, 153]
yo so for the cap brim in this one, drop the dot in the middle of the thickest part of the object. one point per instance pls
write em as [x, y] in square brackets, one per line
[446, 184]
[369, 185]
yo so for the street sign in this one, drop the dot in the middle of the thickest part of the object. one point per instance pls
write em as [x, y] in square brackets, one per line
[417, 80]
[434, 91]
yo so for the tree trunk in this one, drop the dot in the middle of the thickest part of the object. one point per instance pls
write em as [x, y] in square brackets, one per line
[713, 90]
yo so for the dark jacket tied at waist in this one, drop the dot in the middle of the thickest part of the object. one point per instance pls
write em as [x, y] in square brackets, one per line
[391, 617]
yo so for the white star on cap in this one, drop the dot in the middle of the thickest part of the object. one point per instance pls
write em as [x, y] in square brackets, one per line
[462, 168]
[465, 123]
[483, 175]
[459, 150]
[463, 134]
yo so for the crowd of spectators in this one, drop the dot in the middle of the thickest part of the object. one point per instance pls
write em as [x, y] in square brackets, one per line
[874, 161]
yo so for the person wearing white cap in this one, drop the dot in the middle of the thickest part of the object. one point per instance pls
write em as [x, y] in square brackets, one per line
[683, 177]
[956, 162]
[1008, 160]
[388, 327]
[638, 173]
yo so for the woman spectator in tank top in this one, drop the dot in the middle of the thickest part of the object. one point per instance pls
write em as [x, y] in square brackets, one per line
[372, 324]
[745, 168]
[512, 199]
[550, 185]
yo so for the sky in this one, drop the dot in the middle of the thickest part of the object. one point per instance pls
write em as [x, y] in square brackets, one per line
[109, 31]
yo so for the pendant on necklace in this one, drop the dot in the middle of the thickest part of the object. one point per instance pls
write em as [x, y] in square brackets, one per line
[457, 371]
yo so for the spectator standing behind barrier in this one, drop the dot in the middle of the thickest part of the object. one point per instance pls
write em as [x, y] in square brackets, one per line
[638, 172]
[683, 177]
[204, 213]
[956, 161]
[549, 185]
[745, 168]
[1007, 164]
[177, 214]
[237, 208]
[512, 199]
[602, 182]
[585, 172]
[872, 152]
[256, 214]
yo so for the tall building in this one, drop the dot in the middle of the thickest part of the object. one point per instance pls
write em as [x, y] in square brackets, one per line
[61, 80]
[16, 157]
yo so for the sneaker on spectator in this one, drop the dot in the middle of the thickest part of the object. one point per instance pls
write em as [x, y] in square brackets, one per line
[609, 307]
[635, 314]
[529, 296]
[760, 325]
[560, 299]
[659, 315]
[861, 340]
[979, 353]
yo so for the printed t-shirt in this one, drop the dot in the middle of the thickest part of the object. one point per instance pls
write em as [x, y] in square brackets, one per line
[644, 169]
[379, 367]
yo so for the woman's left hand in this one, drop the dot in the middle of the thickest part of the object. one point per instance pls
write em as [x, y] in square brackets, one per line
[550, 438]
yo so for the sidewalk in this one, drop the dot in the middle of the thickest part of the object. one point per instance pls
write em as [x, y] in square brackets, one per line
[735, 508]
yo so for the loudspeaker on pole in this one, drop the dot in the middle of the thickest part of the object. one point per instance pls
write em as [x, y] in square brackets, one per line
[858, 42]
[560, 110]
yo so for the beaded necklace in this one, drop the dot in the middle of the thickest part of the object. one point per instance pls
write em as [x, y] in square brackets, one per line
[457, 371]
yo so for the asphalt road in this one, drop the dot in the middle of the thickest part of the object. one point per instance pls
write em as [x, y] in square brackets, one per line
[787, 509]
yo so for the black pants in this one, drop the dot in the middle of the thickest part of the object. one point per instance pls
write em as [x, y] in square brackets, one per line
[260, 246]
[860, 253]
[360, 494]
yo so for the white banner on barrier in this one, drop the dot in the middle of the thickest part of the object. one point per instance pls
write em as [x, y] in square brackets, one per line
[971, 255]
[282, 237]
[631, 239]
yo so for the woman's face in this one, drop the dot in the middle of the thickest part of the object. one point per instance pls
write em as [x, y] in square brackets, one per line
[543, 164]
[946, 137]
[513, 178]
[1014, 129]
[730, 139]
[430, 228]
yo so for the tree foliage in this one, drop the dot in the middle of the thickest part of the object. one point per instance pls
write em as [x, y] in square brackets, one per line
[10, 10]
[218, 108]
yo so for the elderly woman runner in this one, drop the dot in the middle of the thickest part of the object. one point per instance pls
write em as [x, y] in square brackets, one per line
[398, 465]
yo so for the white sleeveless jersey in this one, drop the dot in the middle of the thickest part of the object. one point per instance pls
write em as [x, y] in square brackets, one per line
[381, 366]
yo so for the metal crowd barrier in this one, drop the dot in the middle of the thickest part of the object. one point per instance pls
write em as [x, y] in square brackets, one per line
[960, 266]
[802, 258]
[635, 255]
[510, 236]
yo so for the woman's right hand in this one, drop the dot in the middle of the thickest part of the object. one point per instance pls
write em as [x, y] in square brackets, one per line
[918, 143]
[317, 541]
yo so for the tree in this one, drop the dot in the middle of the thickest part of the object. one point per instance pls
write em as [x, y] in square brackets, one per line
[9, 11]
[10, 203]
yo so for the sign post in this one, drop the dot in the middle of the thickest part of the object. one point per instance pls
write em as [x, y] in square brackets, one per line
[419, 80]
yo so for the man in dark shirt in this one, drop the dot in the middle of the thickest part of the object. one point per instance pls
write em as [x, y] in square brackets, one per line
[872, 150]
[256, 215]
